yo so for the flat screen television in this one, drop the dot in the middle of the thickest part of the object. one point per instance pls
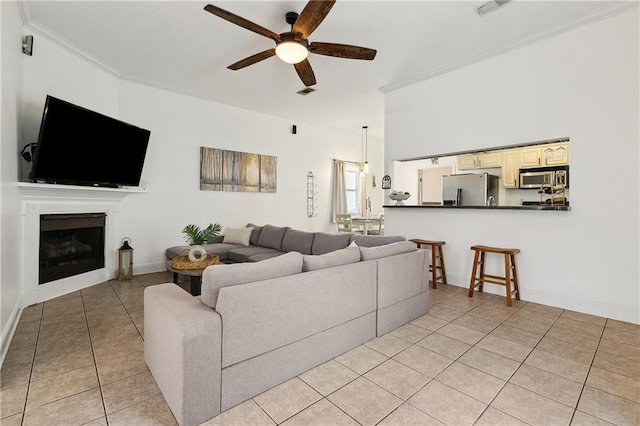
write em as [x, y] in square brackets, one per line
[77, 146]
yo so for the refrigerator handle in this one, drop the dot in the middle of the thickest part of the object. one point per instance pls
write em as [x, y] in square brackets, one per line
[458, 196]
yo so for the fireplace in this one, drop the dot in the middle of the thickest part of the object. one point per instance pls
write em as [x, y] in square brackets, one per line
[70, 244]
[41, 199]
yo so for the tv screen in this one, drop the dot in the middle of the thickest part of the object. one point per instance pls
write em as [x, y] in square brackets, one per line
[77, 146]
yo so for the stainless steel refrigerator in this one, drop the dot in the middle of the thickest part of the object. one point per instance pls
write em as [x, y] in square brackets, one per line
[470, 190]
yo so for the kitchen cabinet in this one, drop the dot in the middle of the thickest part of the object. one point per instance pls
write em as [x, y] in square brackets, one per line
[479, 161]
[510, 169]
[545, 155]
[556, 154]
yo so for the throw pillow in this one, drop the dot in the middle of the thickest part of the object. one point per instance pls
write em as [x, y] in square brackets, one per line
[370, 253]
[343, 256]
[218, 276]
[237, 236]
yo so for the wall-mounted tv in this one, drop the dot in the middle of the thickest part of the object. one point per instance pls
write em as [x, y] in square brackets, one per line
[77, 146]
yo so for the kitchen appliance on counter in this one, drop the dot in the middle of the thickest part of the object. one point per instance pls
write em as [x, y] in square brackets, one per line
[470, 189]
[536, 177]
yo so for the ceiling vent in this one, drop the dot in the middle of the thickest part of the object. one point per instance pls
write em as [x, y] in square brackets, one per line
[305, 91]
[491, 6]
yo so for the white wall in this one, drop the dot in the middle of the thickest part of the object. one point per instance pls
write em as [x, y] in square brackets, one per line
[11, 58]
[582, 84]
[179, 126]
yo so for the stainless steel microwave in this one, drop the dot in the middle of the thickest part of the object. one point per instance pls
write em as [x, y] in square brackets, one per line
[535, 178]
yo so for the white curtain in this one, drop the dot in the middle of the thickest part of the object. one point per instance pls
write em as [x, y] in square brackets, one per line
[339, 191]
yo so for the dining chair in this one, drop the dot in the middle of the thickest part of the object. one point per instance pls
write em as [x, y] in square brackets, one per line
[377, 228]
[344, 223]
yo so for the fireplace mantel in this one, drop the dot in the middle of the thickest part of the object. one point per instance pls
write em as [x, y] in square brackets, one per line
[42, 191]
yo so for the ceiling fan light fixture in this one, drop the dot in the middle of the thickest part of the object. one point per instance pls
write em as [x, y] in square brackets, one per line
[292, 51]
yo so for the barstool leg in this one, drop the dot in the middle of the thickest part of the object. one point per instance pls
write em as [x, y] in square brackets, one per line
[515, 276]
[481, 286]
[472, 283]
[507, 278]
[444, 271]
[434, 268]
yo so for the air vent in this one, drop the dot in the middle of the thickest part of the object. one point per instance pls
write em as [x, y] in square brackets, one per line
[491, 6]
[305, 91]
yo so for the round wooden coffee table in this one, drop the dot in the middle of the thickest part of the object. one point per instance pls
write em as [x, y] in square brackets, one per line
[195, 274]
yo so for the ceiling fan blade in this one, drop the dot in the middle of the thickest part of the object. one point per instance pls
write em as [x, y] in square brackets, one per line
[342, 51]
[311, 16]
[252, 59]
[305, 73]
[235, 19]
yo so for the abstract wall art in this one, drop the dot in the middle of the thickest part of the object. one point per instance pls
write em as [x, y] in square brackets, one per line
[224, 170]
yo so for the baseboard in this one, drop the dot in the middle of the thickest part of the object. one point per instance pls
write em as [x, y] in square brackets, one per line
[149, 268]
[572, 303]
[10, 329]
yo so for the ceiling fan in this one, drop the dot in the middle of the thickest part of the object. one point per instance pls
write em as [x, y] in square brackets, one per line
[293, 47]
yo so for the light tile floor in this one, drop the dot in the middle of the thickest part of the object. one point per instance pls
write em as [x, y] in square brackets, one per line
[78, 360]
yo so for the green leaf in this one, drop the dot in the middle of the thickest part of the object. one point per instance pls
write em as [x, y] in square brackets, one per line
[196, 236]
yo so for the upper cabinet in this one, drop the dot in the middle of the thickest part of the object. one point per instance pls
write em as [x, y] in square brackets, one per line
[510, 169]
[511, 160]
[544, 155]
[556, 154]
[480, 161]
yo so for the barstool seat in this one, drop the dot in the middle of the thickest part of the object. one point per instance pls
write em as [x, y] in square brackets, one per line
[437, 260]
[479, 277]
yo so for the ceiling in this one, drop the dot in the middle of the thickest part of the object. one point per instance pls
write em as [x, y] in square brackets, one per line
[179, 46]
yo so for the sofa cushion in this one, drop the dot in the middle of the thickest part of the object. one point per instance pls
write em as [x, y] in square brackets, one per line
[299, 241]
[272, 236]
[343, 256]
[243, 254]
[218, 276]
[375, 240]
[369, 253]
[237, 236]
[255, 234]
[324, 243]
[264, 256]
[220, 249]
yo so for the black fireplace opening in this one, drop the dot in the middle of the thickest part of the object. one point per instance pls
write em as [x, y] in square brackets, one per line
[70, 244]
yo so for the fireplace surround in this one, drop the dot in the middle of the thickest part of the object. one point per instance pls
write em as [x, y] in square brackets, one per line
[56, 201]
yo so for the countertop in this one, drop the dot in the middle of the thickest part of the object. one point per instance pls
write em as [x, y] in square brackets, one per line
[542, 207]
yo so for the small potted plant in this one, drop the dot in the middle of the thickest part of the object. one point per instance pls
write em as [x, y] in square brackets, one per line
[196, 238]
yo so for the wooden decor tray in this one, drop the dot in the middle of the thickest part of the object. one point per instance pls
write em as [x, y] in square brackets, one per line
[183, 262]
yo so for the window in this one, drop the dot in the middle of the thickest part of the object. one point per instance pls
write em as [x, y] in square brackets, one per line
[352, 187]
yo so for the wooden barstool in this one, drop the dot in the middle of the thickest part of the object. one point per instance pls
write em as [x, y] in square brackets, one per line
[478, 277]
[437, 260]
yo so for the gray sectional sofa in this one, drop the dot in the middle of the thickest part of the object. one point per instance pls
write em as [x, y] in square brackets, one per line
[260, 323]
[270, 241]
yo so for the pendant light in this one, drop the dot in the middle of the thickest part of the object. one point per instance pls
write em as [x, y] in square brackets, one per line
[366, 148]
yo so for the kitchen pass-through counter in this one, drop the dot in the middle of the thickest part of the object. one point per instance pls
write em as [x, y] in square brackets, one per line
[522, 207]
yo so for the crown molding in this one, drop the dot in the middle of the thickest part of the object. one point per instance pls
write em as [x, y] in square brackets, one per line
[41, 30]
[599, 15]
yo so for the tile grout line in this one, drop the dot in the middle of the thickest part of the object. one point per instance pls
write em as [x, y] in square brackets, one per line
[508, 381]
[95, 363]
[33, 364]
[454, 360]
[595, 353]
[473, 346]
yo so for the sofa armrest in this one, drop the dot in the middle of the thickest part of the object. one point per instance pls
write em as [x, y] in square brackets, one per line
[182, 348]
[401, 277]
